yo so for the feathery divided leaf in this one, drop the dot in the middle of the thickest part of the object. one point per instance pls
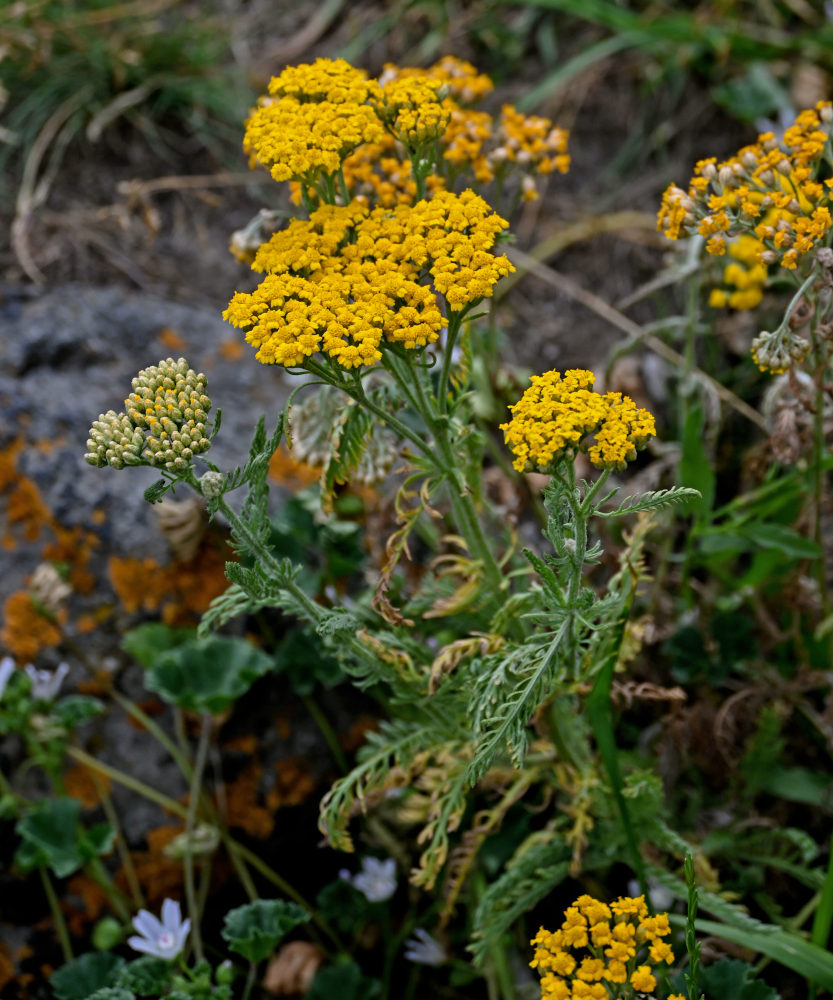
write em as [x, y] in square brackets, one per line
[533, 872]
[651, 501]
[508, 689]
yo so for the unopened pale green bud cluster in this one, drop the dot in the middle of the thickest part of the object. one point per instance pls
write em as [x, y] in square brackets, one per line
[164, 424]
[115, 441]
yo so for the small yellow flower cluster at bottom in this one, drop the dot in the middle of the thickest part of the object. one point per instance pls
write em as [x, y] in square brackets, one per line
[556, 413]
[613, 937]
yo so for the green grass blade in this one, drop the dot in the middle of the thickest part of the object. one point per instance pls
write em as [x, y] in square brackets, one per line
[807, 959]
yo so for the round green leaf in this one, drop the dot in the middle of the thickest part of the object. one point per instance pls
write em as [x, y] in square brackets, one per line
[207, 675]
[253, 930]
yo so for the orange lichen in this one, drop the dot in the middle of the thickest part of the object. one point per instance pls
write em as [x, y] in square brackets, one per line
[135, 581]
[247, 743]
[87, 786]
[25, 630]
[6, 967]
[92, 900]
[86, 624]
[25, 508]
[287, 471]
[293, 784]
[192, 586]
[73, 546]
[243, 809]
[232, 350]
[181, 591]
[171, 339]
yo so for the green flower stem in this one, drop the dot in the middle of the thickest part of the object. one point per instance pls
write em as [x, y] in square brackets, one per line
[581, 511]
[819, 356]
[128, 781]
[155, 730]
[239, 866]
[277, 880]
[455, 321]
[342, 183]
[250, 980]
[121, 845]
[692, 946]
[313, 612]
[237, 852]
[327, 732]
[100, 875]
[61, 928]
[190, 823]
[356, 391]
[462, 503]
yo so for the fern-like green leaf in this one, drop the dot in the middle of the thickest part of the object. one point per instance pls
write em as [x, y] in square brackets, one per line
[348, 440]
[394, 745]
[509, 688]
[531, 874]
[651, 501]
[232, 603]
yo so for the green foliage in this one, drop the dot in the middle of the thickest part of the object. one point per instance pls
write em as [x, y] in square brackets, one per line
[735, 980]
[341, 904]
[805, 958]
[74, 710]
[535, 869]
[305, 660]
[148, 642]
[253, 930]
[81, 977]
[146, 976]
[91, 64]
[52, 836]
[343, 982]
[207, 675]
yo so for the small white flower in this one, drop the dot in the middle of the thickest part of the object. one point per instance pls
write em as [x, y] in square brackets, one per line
[45, 683]
[424, 949]
[7, 668]
[376, 881]
[162, 939]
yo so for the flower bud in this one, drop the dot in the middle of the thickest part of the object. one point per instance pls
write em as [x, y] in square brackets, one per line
[211, 484]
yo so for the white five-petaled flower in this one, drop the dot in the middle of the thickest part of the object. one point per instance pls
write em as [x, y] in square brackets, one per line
[7, 668]
[46, 683]
[162, 939]
[376, 881]
[424, 949]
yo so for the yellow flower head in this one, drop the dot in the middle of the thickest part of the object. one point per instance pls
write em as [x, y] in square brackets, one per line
[317, 115]
[744, 278]
[350, 278]
[768, 190]
[571, 966]
[412, 111]
[557, 413]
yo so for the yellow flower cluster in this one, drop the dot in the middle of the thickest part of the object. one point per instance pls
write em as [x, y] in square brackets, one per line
[412, 111]
[557, 413]
[594, 954]
[459, 78]
[768, 189]
[744, 278]
[421, 106]
[317, 115]
[351, 277]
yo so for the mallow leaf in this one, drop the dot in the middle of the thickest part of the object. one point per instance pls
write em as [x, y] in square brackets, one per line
[207, 675]
[253, 930]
